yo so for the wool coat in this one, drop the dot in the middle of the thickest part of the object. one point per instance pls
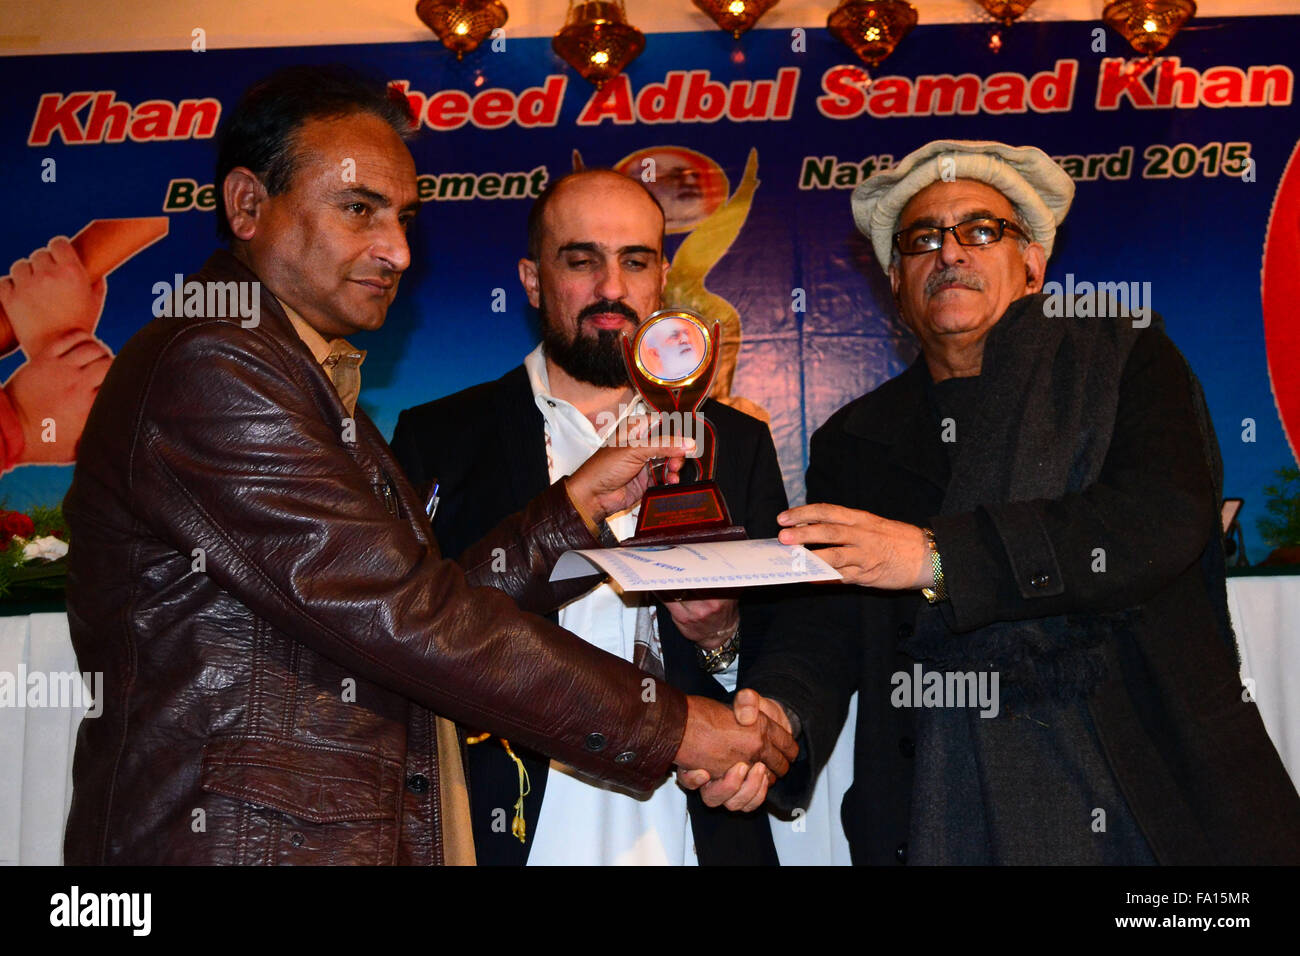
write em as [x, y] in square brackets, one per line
[1186, 747]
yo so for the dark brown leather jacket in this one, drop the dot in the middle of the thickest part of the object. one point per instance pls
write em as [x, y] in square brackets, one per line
[275, 626]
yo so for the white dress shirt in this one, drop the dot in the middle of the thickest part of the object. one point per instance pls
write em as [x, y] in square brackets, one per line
[582, 821]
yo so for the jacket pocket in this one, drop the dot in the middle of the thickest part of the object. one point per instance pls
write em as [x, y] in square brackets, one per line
[335, 805]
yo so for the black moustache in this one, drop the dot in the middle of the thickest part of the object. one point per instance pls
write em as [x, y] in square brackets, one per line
[616, 307]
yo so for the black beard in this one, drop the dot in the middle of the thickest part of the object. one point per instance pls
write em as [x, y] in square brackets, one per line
[597, 361]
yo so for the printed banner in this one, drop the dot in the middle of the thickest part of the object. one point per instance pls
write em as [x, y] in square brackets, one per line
[1188, 190]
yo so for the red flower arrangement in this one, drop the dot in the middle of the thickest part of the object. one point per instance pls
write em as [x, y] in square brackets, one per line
[31, 566]
[15, 524]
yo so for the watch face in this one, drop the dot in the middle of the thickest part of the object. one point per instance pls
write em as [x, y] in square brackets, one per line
[672, 348]
[722, 656]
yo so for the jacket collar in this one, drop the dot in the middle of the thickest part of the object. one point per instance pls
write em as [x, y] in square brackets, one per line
[223, 266]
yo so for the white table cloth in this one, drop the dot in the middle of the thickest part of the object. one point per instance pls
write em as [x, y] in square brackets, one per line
[36, 744]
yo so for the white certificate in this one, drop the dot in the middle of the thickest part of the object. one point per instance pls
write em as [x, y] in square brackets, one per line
[714, 564]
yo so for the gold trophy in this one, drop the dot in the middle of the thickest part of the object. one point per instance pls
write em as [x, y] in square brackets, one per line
[671, 361]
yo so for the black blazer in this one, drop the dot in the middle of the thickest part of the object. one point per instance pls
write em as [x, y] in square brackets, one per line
[486, 448]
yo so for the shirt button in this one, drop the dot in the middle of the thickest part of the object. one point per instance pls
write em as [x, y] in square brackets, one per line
[551, 403]
[595, 742]
[900, 852]
[297, 839]
[417, 783]
[1041, 581]
[906, 747]
[627, 756]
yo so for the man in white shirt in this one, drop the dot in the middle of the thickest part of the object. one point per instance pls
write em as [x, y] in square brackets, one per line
[595, 269]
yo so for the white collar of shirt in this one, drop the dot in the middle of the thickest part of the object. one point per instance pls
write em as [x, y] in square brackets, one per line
[571, 438]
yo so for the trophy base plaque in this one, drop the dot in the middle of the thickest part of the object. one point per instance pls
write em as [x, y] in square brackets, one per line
[684, 513]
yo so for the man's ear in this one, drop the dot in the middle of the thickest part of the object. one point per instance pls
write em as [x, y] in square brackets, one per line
[528, 278]
[894, 278]
[243, 194]
[1035, 268]
[664, 266]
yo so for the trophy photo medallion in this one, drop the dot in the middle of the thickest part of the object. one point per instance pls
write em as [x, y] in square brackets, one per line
[671, 361]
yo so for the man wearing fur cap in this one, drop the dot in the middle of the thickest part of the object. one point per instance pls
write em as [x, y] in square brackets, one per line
[1034, 613]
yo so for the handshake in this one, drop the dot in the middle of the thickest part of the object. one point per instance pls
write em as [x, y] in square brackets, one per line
[733, 756]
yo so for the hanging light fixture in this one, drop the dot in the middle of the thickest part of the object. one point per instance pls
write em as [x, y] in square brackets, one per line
[1148, 25]
[597, 40]
[462, 25]
[735, 16]
[872, 28]
[1006, 11]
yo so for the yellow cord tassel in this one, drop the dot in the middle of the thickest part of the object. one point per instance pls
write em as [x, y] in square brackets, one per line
[519, 826]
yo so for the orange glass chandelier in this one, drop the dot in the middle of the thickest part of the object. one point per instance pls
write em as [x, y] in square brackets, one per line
[1148, 25]
[1006, 11]
[735, 16]
[597, 40]
[872, 28]
[462, 25]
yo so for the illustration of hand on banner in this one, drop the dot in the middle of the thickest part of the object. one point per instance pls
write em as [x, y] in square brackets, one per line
[51, 303]
[49, 398]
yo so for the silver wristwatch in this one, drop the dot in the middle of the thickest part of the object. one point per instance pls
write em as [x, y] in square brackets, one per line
[721, 657]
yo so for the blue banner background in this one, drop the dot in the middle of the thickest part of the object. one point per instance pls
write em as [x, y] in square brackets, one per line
[1198, 240]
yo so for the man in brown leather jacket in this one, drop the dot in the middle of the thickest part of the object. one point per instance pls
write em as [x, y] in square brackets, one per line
[259, 584]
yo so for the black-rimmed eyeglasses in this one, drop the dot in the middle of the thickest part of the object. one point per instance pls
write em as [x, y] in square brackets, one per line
[918, 240]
